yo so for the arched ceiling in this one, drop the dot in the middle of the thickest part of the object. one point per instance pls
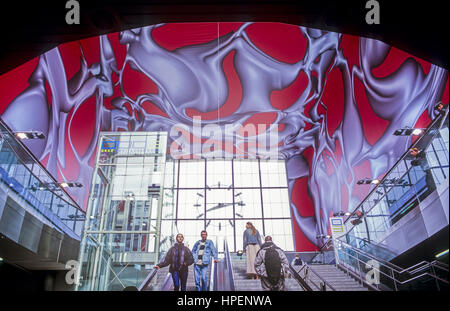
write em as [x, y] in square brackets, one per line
[31, 29]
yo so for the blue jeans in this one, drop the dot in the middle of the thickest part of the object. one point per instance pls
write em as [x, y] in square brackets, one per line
[200, 274]
[180, 277]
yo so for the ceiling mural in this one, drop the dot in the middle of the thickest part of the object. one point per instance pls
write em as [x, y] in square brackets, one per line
[327, 103]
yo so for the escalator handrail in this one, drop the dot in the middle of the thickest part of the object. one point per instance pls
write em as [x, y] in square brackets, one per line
[167, 283]
[213, 277]
[148, 279]
[229, 266]
[299, 279]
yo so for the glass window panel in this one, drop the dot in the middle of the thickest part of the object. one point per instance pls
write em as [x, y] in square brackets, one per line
[219, 173]
[191, 204]
[276, 203]
[191, 231]
[219, 203]
[251, 203]
[219, 230]
[246, 173]
[281, 232]
[192, 174]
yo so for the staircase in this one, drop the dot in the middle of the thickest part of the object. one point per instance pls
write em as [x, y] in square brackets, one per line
[241, 282]
[334, 276]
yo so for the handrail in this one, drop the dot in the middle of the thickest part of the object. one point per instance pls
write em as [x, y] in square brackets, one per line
[213, 277]
[167, 282]
[368, 242]
[392, 267]
[381, 260]
[151, 274]
[393, 278]
[39, 164]
[320, 277]
[229, 266]
[430, 127]
[148, 279]
[299, 279]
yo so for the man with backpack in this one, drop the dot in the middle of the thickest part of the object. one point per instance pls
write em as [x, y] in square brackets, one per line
[271, 265]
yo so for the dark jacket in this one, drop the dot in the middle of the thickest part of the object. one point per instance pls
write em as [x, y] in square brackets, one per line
[179, 257]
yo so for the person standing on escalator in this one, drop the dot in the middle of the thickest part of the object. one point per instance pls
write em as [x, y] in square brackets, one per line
[179, 257]
[272, 266]
[203, 250]
[251, 245]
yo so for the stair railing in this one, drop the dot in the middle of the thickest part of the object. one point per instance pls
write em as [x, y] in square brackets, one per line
[322, 286]
[228, 267]
[393, 270]
[299, 279]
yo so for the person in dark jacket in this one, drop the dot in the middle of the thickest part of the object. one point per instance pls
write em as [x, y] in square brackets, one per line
[179, 257]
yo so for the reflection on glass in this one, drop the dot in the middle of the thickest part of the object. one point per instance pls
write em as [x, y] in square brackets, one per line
[409, 182]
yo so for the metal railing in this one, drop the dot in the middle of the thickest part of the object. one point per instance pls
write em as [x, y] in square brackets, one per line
[212, 286]
[228, 268]
[154, 272]
[148, 279]
[352, 261]
[322, 286]
[303, 283]
[33, 185]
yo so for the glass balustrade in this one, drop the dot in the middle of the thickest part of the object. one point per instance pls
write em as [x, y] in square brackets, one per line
[410, 181]
[26, 179]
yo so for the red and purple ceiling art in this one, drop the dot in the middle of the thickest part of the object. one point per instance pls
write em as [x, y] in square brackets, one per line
[333, 99]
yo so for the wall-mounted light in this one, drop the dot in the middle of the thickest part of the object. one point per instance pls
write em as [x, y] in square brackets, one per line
[368, 181]
[30, 135]
[356, 222]
[441, 253]
[408, 132]
[321, 236]
[342, 214]
[71, 185]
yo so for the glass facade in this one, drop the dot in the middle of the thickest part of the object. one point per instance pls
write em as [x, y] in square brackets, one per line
[222, 195]
[123, 238]
[140, 200]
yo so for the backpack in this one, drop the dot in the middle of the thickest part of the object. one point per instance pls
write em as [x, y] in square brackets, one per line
[272, 261]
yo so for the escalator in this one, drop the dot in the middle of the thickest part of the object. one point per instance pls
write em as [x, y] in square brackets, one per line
[226, 275]
[161, 279]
